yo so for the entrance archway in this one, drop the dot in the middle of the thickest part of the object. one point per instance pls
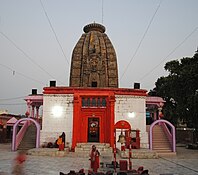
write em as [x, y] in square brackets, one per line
[14, 139]
[122, 124]
[171, 135]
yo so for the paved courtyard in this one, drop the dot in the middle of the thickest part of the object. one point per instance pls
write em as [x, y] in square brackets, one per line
[185, 163]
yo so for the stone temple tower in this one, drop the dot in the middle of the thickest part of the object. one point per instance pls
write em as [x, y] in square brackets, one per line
[94, 62]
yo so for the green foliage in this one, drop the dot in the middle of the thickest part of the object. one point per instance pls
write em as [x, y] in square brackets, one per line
[180, 90]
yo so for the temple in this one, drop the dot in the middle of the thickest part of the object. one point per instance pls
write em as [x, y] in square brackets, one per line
[93, 103]
[93, 109]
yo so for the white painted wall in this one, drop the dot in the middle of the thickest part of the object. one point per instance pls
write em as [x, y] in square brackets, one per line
[53, 125]
[126, 104]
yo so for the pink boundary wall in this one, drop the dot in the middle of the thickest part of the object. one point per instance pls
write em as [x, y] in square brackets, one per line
[171, 137]
[16, 139]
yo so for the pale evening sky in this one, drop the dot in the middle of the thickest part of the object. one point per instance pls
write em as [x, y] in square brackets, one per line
[37, 38]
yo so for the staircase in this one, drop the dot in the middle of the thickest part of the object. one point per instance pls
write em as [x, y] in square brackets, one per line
[161, 143]
[83, 149]
[29, 139]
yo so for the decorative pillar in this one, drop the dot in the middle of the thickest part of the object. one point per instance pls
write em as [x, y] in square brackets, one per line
[155, 115]
[32, 112]
[112, 120]
[76, 122]
[160, 115]
[138, 139]
[130, 156]
[114, 150]
[37, 112]
[28, 109]
[127, 138]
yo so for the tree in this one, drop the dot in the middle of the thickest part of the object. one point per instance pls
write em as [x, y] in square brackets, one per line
[180, 91]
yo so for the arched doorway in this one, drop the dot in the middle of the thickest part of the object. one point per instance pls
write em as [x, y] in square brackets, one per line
[16, 140]
[170, 135]
[124, 128]
[122, 124]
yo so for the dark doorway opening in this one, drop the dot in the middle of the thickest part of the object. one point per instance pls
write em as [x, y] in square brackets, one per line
[93, 130]
[93, 84]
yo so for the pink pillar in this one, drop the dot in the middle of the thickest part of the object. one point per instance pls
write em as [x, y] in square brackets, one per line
[155, 116]
[37, 112]
[33, 112]
[29, 106]
[160, 115]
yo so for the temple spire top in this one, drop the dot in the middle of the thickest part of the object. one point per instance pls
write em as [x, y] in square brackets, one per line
[94, 27]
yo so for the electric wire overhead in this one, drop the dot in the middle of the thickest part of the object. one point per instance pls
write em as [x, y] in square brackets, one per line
[188, 36]
[26, 55]
[13, 98]
[102, 10]
[52, 28]
[12, 104]
[23, 75]
[141, 40]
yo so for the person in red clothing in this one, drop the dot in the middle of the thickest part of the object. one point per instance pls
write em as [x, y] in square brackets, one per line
[94, 158]
[60, 144]
[19, 162]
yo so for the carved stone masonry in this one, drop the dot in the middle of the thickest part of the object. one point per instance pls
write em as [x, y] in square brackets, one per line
[94, 62]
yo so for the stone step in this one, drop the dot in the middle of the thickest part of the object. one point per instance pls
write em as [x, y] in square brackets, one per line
[161, 146]
[158, 134]
[29, 139]
[89, 145]
[77, 149]
[87, 154]
[161, 143]
[88, 150]
[161, 140]
[162, 150]
[83, 149]
[86, 146]
[138, 154]
[158, 130]
[167, 154]
[53, 152]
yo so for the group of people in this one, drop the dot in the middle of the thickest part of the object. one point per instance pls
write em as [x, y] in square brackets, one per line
[94, 153]
[21, 157]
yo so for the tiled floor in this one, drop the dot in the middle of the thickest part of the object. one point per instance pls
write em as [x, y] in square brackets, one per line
[185, 163]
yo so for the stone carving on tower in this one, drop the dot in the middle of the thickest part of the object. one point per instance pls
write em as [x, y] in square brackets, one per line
[94, 62]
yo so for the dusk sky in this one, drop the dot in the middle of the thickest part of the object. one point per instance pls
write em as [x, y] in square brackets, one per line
[37, 38]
